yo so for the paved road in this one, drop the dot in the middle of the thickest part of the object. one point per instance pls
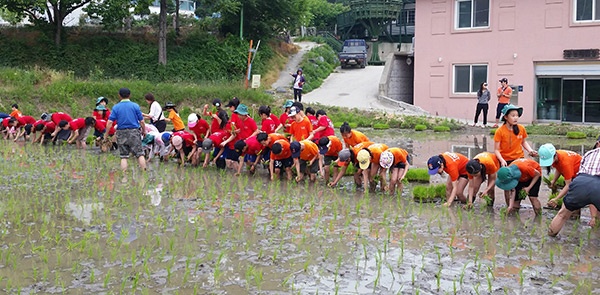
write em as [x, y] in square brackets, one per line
[353, 87]
[285, 80]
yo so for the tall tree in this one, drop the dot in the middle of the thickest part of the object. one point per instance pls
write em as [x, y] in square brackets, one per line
[162, 33]
[52, 12]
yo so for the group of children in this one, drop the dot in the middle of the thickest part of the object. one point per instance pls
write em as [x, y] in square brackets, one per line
[303, 141]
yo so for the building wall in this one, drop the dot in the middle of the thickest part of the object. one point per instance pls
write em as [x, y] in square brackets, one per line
[520, 34]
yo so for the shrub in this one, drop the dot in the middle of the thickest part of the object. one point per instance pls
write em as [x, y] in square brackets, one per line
[317, 64]
[381, 126]
[420, 127]
[576, 135]
[441, 128]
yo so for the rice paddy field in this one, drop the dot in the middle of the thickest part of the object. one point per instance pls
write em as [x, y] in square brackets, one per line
[71, 223]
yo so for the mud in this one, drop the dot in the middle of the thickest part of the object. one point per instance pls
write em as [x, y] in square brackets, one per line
[69, 225]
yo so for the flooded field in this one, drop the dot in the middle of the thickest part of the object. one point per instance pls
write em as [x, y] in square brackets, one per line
[71, 223]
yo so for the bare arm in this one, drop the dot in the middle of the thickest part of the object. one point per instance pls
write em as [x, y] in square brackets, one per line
[498, 155]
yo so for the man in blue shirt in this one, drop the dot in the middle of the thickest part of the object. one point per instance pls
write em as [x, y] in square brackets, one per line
[129, 136]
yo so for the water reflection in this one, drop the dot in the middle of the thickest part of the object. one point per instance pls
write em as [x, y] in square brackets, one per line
[83, 211]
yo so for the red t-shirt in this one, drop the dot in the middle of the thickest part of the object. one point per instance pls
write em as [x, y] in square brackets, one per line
[101, 126]
[98, 114]
[50, 127]
[38, 122]
[253, 146]
[24, 120]
[313, 121]
[200, 129]
[5, 122]
[268, 126]
[284, 119]
[57, 117]
[325, 122]
[77, 124]
[275, 120]
[219, 137]
[188, 138]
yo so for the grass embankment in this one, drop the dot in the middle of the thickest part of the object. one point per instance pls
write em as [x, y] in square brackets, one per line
[317, 65]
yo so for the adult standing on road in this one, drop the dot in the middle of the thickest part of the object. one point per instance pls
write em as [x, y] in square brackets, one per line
[156, 116]
[504, 93]
[483, 97]
[298, 83]
[129, 135]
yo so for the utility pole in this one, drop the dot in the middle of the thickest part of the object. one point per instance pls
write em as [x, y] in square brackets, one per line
[242, 25]
[249, 65]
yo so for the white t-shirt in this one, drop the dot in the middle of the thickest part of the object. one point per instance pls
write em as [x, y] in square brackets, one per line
[297, 82]
[155, 111]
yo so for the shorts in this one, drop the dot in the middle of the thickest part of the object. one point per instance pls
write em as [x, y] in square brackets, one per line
[250, 158]
[534, 192]
[83, 134]
[583, 191]
[312, 169]
[63, 135]
[186, 150]
[285, 163]
[129, 142]
[327, 160]
[231, 154]
[465, 176]
[400, 165]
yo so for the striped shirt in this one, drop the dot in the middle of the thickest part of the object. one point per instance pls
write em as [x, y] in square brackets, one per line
[590, 163]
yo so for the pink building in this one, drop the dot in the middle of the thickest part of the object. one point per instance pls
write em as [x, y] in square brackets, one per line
[547, 49]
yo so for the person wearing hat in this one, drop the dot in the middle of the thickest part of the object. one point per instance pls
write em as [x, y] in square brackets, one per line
[269, 122]
[522, 175]
[101, 111]
[511, 138]
[481, 168]
[583, 191]
[396, 160]
[504, 93]
[250, 149]
[174, 117]
[455, 165]
[284, 120]
[218, 115]
[216, 142]
[566, 164]
[300, 128]
[306, 159]
[352, 137]
[156, 116]
[329, 148]
[198, 126]
[182, 142]
[129, 137]
[324, 126]
[298, 84]
[368, 162]
[281, 159]
[346, 157]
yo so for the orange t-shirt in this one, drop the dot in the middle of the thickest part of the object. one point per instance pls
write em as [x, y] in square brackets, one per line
[528, 168]
[400, 155]
[508, 93]
[309, 151]
[355, 149]
[301, 131]
[274, 137]
[510, 144]
[335, 147]
[490, 161]
[568, 163]
[355, 138]
[286, 152]
[376, 149]
[456, 165]
[15, 114]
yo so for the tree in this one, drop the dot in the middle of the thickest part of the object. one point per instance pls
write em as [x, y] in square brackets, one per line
[322, 14]
[162, 33]
[52, 12]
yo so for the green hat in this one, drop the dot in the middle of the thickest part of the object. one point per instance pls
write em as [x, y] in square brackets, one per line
[288, 104]
[242, 109]
[508, 177]
[101, 99]
[510, 107]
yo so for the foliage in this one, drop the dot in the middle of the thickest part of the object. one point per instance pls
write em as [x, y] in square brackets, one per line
[417, 174]
[262, 18]
[576, 135]
[488, 200]
[322, 14]
[316, 65]
[111, 13]
[195, 57]
[493, 131]
[560, 182]
[429, 193]
[441, 128]
[40, 91]
[381, 126]
[420, 127]
[561, 129]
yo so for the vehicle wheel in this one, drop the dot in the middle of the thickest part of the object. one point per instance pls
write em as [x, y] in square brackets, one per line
[362, 66]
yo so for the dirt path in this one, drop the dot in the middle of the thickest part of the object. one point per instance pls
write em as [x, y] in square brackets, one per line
[284, 81]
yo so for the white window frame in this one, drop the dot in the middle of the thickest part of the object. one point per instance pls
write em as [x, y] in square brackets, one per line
[595, 18]
[454, 91]
[471, 27]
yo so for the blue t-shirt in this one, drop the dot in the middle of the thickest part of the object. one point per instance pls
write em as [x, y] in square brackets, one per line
[127, 114]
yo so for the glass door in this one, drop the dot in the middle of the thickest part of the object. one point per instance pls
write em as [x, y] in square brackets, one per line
[572, 100]
[592, 100]
[548, 100]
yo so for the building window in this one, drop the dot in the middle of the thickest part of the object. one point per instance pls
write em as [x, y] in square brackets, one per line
[468, 77]
[587, 10]
[473, 13]
[408, 17]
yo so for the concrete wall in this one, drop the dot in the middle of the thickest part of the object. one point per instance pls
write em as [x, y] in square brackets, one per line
[520, 35]
[401, 79]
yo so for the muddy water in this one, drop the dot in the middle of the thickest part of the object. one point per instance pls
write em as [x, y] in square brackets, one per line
[71, 224]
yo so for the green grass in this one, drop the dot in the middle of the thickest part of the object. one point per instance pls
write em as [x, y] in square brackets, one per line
[441, 128]
[429, 193]
[576, 135]
[381, 126]
[420, 127]
[561, 129]
[417, 175]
